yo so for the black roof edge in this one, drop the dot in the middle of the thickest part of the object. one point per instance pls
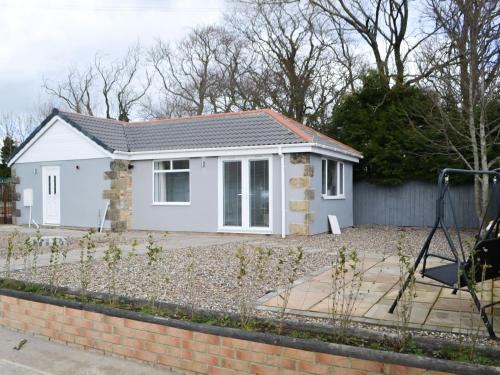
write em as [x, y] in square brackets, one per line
[85, 133]
[55, 112]
[52, 114]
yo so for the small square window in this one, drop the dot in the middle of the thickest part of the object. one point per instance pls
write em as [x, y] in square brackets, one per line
[180, 164]
[162, 165]
[171, 181]
[332, 178]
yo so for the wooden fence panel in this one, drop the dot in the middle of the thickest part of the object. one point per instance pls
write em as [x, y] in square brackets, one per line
[411, 204]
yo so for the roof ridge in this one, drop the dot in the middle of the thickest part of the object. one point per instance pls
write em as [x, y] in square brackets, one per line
[208, 115]
[89, 116]
[288, 123]
[298, 124]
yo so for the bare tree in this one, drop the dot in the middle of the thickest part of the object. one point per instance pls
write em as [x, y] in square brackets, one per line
[129, 89]
[292, 65]
[383, 25]
[188, 70]
[17, 126]
[118, 86]
[468, 88]
[75, 90]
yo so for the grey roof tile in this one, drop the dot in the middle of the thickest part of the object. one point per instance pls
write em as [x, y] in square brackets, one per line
[250, 128]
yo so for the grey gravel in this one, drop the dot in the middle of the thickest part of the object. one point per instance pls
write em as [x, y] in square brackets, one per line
[207, 277]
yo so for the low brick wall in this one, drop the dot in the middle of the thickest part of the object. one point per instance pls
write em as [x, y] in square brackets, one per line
[197, 350]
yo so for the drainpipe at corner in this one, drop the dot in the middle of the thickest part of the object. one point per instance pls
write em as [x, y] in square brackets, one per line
[283, 198]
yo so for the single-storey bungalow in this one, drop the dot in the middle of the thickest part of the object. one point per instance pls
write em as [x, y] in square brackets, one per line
[246, 172]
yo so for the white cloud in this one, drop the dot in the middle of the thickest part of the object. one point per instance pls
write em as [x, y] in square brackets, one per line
[43, 38]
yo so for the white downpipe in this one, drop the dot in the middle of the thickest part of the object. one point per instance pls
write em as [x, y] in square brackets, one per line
[283, 198]
[36, 225]
[104, 217]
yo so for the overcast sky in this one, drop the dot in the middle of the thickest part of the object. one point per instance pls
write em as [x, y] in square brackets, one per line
[44, 38]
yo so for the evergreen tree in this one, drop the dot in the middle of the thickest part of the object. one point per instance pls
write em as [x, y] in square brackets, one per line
[7, 150]
[382, 123]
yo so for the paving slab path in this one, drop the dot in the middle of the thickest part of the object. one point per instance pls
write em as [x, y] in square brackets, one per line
[42, 357]
[433, 307]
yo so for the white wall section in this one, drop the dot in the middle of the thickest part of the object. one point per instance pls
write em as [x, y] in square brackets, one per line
[60, 141]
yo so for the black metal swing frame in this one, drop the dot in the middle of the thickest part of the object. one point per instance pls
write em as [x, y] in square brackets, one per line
[486, 251]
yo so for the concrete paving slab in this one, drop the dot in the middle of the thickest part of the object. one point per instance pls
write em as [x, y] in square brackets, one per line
[433, 307]
[43, 357]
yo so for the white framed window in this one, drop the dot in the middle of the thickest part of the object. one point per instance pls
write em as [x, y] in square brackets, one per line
[332, 179]
[171, 184]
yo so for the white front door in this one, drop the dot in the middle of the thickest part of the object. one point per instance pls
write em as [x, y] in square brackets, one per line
[245, 194]
[51, 195]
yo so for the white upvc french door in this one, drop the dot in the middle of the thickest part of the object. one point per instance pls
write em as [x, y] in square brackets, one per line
[51, 190]
[245, 194]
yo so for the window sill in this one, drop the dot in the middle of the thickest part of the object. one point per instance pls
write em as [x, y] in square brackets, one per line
[239, 230]
[334, 197]
[171, 203]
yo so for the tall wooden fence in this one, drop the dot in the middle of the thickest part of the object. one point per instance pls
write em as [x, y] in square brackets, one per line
[411, 204]
[6, 190]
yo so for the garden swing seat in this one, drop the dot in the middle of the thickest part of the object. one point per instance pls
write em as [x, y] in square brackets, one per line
[483, 262]
[487, 252]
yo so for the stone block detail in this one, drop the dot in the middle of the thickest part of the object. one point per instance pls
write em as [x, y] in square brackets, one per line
[120, 165]
[304, 183]
[300, 158]
[309, 194]
[299, 206]
[14, 195]
[119, 195]
[300, 182]
[309, 218]
[308, 170]
[298, 229]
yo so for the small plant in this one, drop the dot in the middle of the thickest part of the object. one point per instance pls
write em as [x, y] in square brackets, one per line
[26, 251]
[191, 280]
[347, 277]
[36, 251]
[263, 256]
[54, 264]
[112, 257]
[87, 253]
[11, 243]
[244, 284]
[133, 248]
[404, 307]
[288, 269]
[155, 278]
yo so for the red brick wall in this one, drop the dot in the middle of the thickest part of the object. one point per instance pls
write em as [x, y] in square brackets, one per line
[177, 348]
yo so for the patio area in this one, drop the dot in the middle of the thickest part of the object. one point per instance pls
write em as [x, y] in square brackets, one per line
[433, 308]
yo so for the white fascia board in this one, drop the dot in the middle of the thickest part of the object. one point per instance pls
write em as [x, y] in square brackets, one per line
[207, 152]
[47, 126]
[335, 153]
[236, 151]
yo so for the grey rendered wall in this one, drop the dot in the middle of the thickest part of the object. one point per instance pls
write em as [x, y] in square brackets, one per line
[342, 208]
[202, 214]
[81, 191]
[320, 207]
[411, 204]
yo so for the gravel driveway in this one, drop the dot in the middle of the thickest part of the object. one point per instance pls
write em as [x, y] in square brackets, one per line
[206, 276]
